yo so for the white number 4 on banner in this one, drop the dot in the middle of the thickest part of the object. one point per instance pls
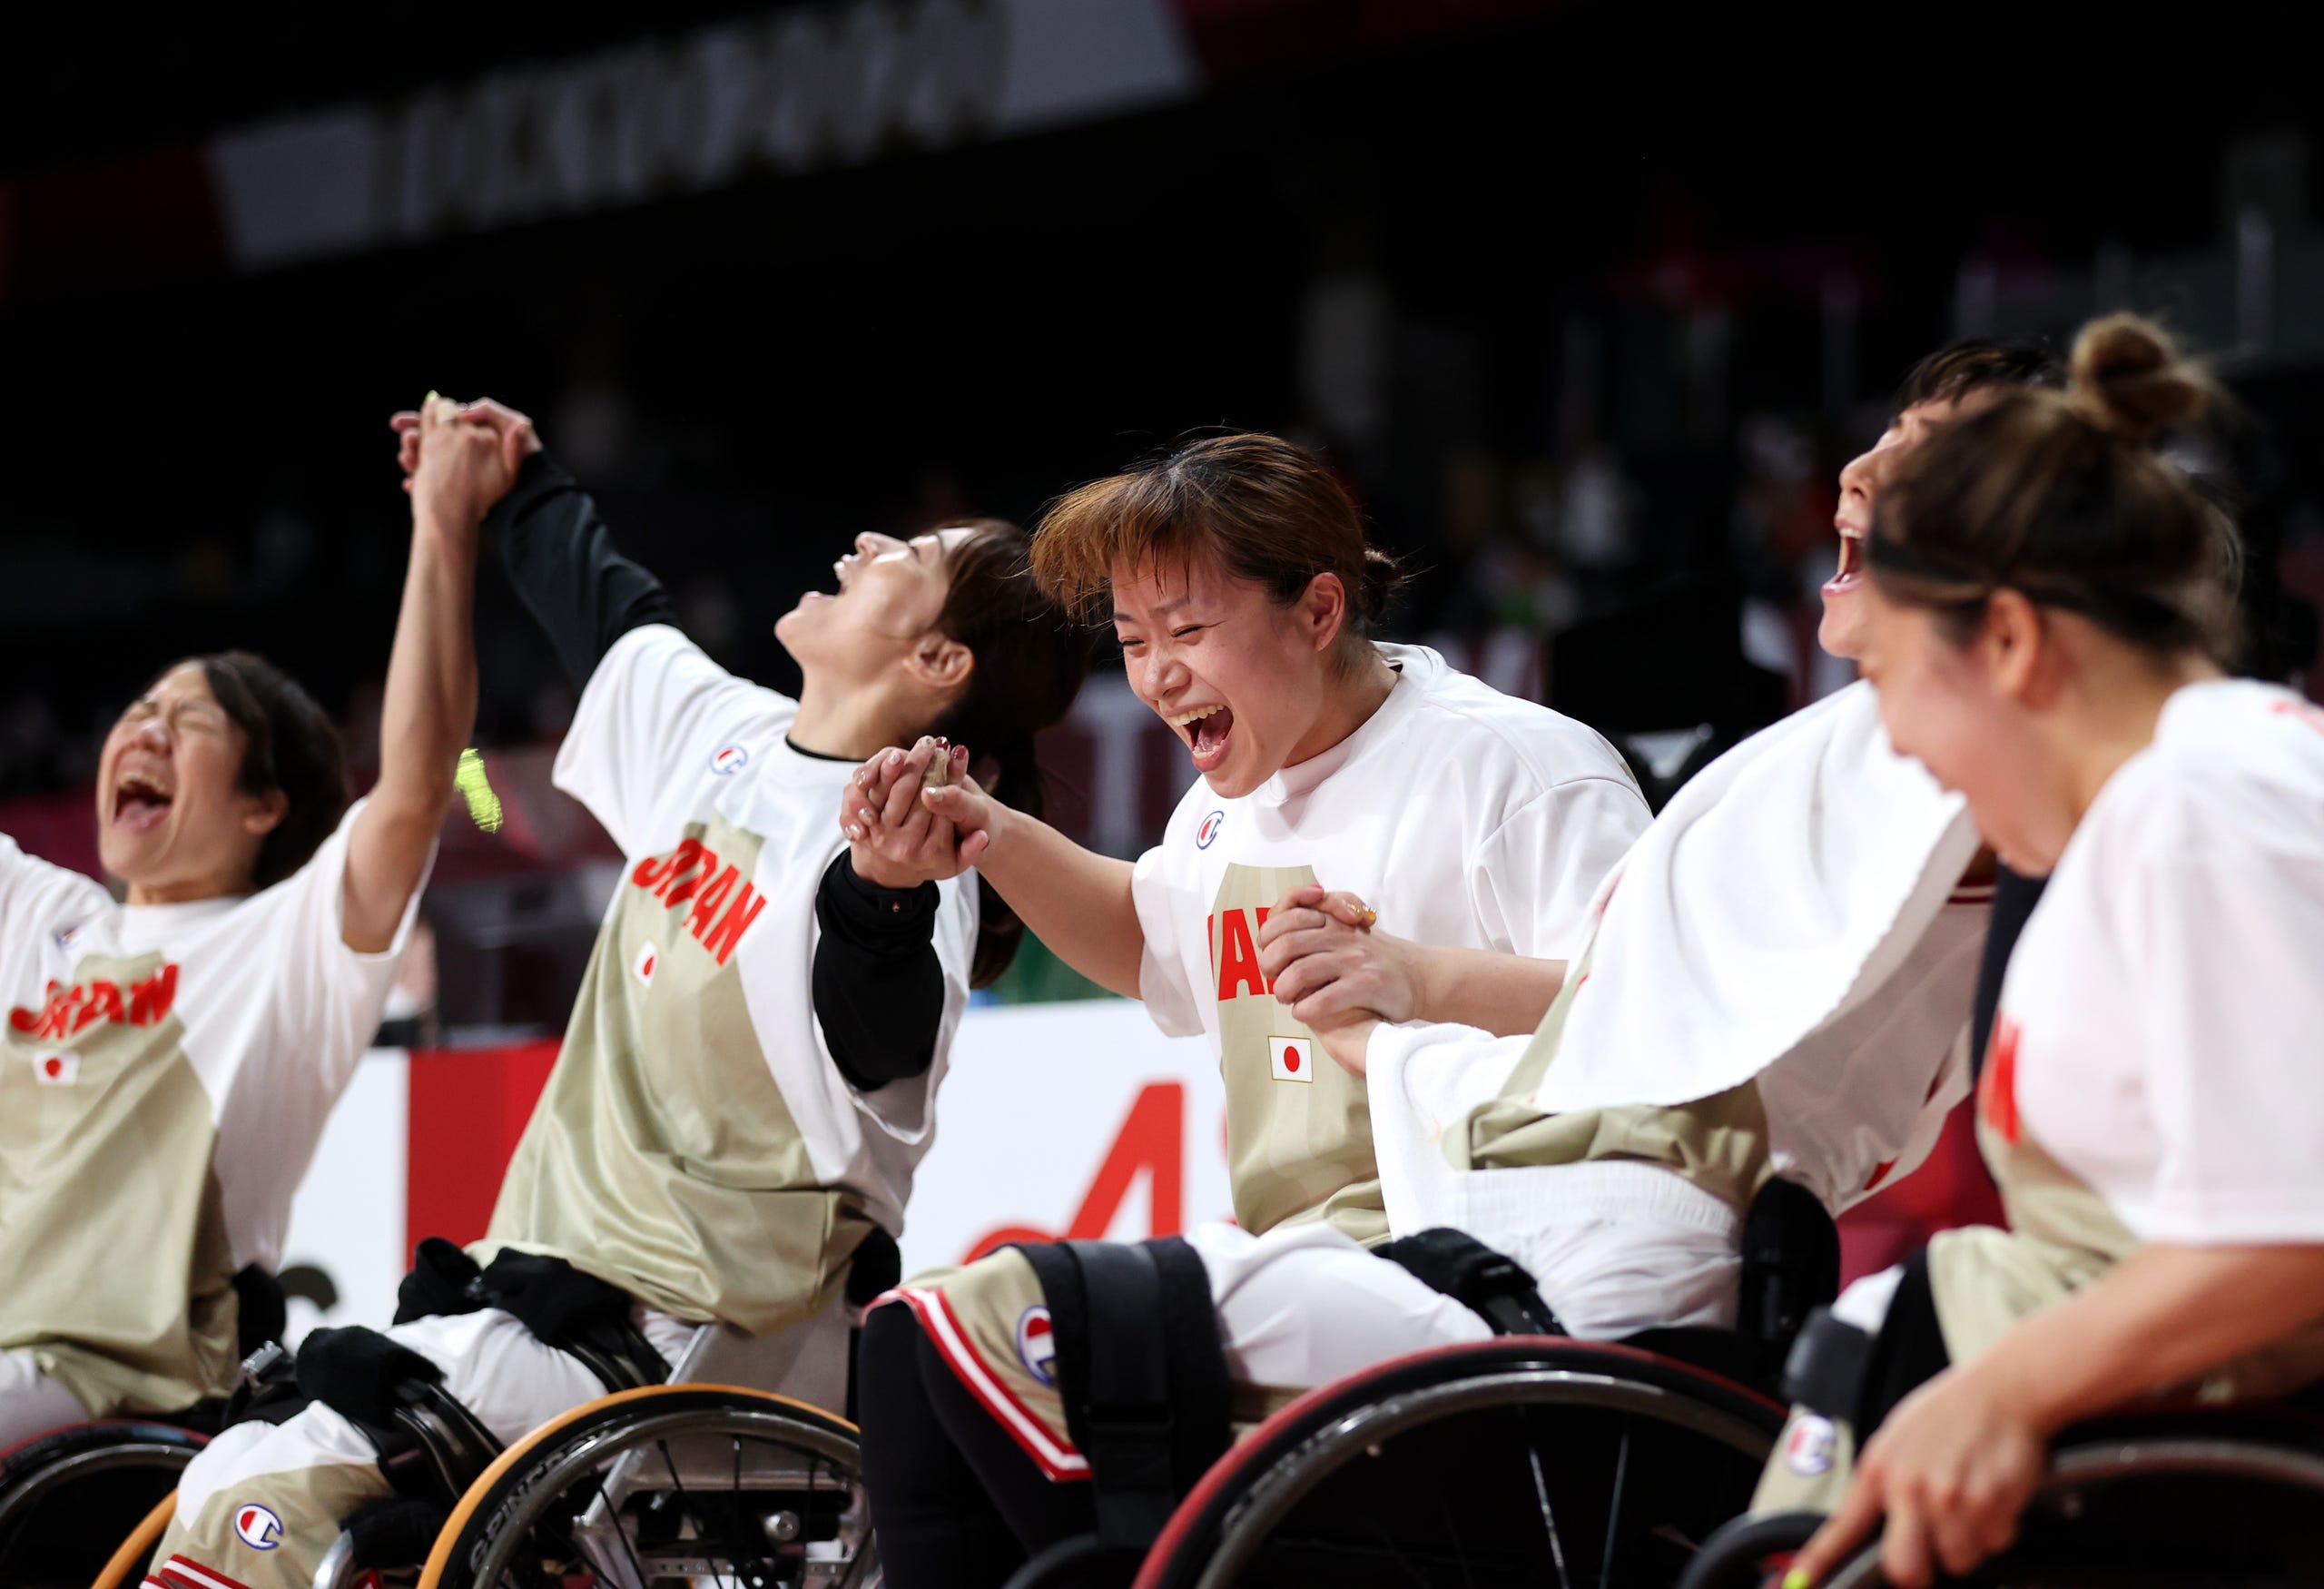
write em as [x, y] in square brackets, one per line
[1292, 1059]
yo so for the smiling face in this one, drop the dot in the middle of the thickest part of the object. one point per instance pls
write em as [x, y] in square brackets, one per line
[1961, 708]
[890, 594]
[1243, 680]
[172, 822]
[1841, 633]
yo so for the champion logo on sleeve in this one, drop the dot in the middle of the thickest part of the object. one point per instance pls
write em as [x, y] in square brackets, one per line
[1209, 829]
[729, 759]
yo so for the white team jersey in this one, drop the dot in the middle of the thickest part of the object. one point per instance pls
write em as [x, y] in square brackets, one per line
[695, 1144]
[2161, 1026]
[168, 1072]
[1463, 816]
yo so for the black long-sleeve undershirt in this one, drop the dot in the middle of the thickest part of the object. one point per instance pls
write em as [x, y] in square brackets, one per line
[877, 987]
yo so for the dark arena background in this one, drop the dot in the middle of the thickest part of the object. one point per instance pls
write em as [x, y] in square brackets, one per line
[1587, 303]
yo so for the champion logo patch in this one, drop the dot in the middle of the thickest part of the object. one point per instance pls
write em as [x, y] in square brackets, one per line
[1291, 1058]
[1036, 1343]
[728, 759]
[1811, 1446]
[64, 937]
[643, 966]
[256, 1526]
[1209, 829]
[57, 1070]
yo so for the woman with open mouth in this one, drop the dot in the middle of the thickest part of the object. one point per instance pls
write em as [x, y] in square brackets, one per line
[1427, 842]
[167, 1063]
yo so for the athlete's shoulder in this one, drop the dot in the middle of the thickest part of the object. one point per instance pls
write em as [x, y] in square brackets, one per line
[26, 878]
[2235, 765]
[1454, 714]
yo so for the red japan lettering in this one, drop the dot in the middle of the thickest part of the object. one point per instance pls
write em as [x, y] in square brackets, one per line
[658, 875]
[104, 1000]
[1238, 957]
[150, 1001]
[1997, 1088]
[29, 1020]
[720, 940]
[706, 904]
[685, 888]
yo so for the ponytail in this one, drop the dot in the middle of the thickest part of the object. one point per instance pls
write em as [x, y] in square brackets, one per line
[1031, 660]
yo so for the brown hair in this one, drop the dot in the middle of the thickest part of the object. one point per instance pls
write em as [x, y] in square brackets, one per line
[2062, 497]
[1030, 665]
[1976, 364]
[288, 745]
[1269, 512]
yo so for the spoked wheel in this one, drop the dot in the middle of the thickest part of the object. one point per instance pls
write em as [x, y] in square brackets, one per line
[706, 1487]
[1521, 1461]
[69, 1496]
[2147, 1512]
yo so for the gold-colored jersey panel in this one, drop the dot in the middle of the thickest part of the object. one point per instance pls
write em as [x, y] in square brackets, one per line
[1298, 1127]
[125, 1298]
[1719, 1143]
[662, 1156]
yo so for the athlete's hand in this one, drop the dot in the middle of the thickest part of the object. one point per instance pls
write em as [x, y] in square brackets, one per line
[1951, 1469]
[979, 819]
[893, 841]
[512, 431]
[461, 468]
[1324, 958]
[1347, 1040]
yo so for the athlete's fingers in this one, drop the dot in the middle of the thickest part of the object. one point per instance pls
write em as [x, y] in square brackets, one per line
[907, 783]
[1333, 1000]
[1348, 909]
[1281, 923]
[1841, 1536]
[1905, 1556]
[962, 803]
[1277, 958]
[975, 845]
[1302, 895]
[1308, 976]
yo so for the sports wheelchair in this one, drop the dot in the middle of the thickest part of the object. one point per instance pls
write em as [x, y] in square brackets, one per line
[700, 1480]
[2172, 1496]
[102, 1476]
[1525, 1459]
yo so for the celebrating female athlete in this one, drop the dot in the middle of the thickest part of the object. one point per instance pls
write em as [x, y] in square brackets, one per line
[168, 1062]
[1236, 576]
[2045, 612]
[750, 1076]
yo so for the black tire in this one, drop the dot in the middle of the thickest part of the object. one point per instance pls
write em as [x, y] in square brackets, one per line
[1750, 1552]
[68, 1497]
[1523, 1460]
[531, 1523]
[2199, 1502]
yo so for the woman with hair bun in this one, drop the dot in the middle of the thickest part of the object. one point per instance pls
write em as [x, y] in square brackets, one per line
[2044, 626]
[1459, 834]
[168, 1062]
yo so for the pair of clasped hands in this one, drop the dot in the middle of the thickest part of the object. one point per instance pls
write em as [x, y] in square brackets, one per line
[918, 816]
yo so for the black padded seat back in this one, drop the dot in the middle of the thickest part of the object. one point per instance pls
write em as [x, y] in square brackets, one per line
[1792, 1266]
[260, 1314]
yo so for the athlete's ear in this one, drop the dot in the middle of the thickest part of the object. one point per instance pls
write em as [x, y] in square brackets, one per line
[2015, 644]
[1323, 610]
[941, 662]
[266, 812]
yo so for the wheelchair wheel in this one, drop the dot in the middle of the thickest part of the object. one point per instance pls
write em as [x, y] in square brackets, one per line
[1751, 1553]
[2212, 1501]
[694, 1485]
[1518, 1461]
[67, 1497]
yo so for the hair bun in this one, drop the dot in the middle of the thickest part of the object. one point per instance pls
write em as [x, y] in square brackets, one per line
[1382, 576]
[2128, 375]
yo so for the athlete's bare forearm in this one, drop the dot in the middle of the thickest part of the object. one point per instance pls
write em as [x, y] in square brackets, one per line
[1505, 994]
[1073, 900]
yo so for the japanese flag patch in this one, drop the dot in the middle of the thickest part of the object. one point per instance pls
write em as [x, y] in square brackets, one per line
[1291, 1058]
[57, 1070]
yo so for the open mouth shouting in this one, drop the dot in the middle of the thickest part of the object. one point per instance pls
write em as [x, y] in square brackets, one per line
[1208, 731]
[1851, 561]
[141, 799]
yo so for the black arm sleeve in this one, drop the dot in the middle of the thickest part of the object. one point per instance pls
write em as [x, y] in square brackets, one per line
[879, 990]
[561, 559]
